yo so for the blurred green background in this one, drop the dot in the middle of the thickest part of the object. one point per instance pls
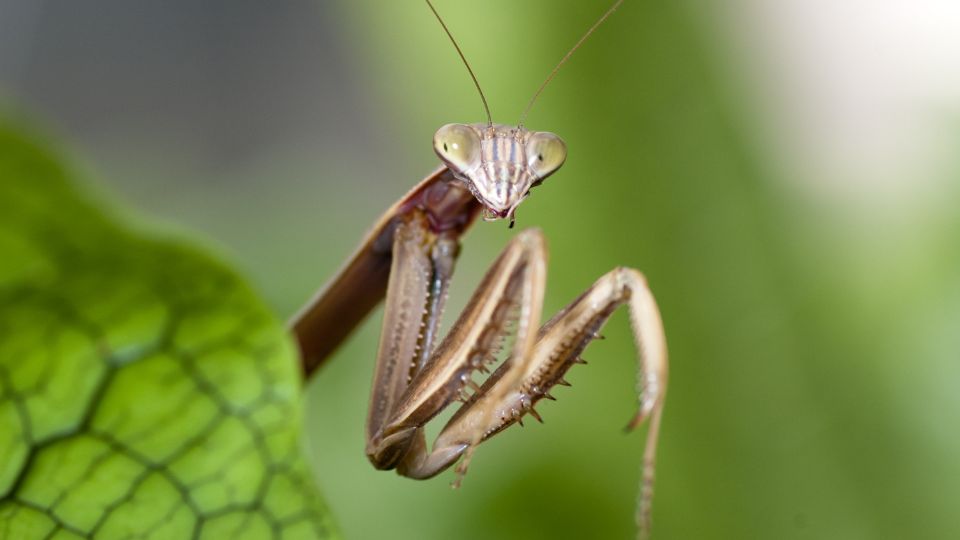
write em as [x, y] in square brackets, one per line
[784, 173]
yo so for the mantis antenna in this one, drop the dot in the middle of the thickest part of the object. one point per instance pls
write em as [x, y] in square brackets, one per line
[467, 64]
[564, 60]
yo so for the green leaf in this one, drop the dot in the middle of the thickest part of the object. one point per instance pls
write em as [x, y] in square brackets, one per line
[144, 389]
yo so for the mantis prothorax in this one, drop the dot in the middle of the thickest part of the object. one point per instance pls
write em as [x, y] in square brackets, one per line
[408, 257]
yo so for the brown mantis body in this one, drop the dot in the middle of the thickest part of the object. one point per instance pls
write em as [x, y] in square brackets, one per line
[408, 258]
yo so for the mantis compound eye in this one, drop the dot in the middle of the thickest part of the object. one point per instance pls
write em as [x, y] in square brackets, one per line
[545, 153]
[458, 145]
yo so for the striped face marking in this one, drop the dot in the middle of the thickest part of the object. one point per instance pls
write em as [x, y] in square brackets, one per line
[499, 163]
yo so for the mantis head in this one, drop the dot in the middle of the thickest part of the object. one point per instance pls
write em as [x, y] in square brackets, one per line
[498, 163]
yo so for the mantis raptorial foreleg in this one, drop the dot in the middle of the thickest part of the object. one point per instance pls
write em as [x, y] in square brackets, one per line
[414, 382]
[409, 256]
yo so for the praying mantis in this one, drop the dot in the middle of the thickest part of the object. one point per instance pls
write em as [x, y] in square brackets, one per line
[407, 259]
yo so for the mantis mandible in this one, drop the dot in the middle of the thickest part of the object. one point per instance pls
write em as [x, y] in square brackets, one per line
[408, 258]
